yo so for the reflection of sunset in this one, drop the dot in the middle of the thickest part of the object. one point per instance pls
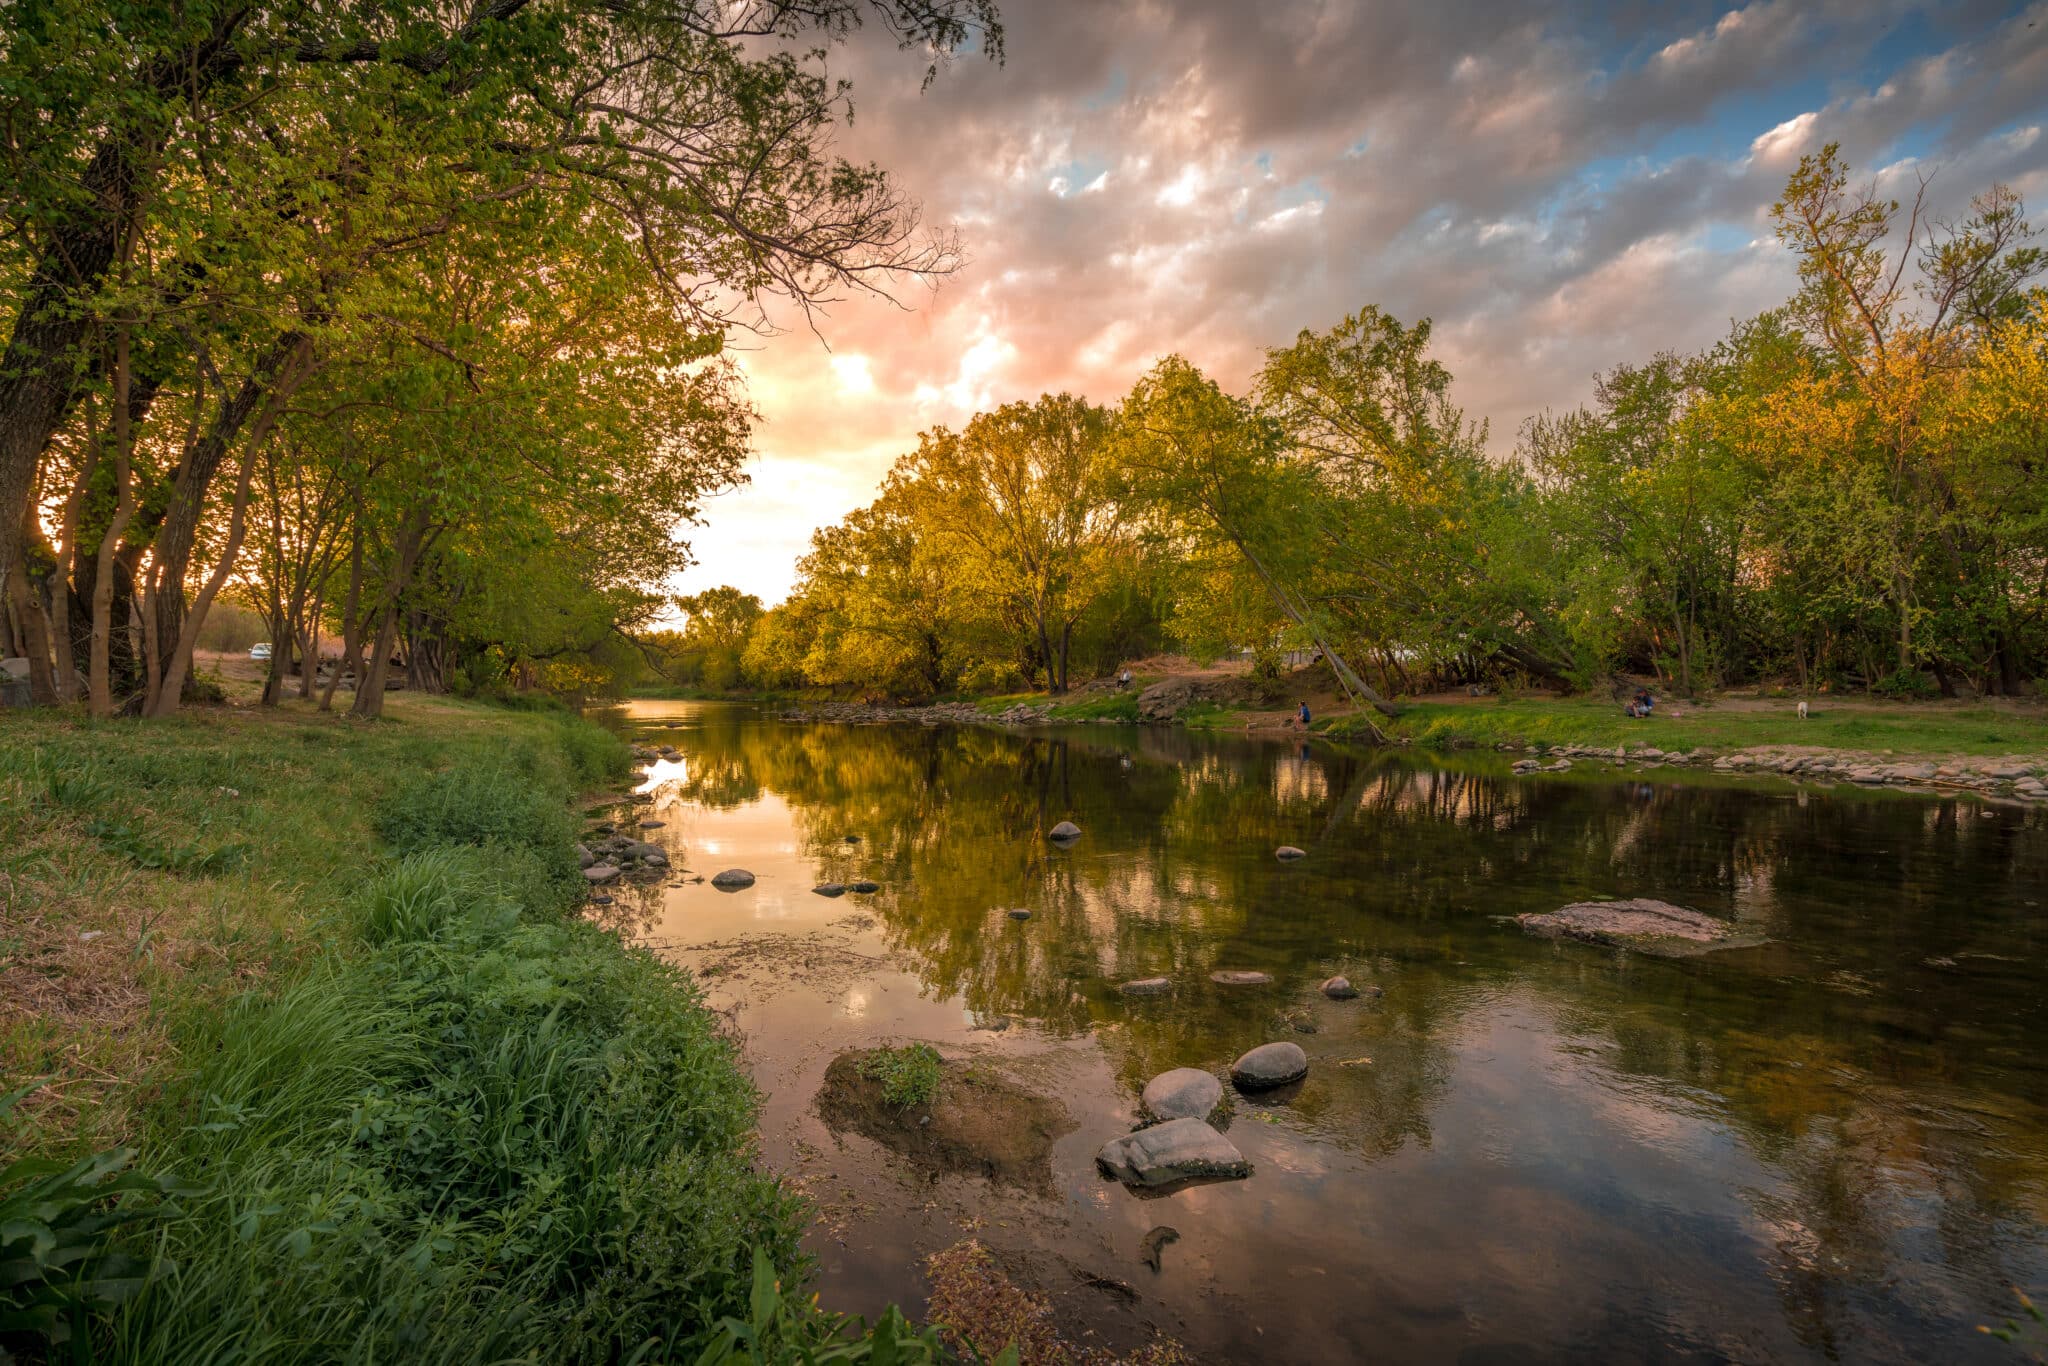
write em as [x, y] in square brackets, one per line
[1746, 1139]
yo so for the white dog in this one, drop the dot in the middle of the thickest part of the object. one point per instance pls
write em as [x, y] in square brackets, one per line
[1802, 711]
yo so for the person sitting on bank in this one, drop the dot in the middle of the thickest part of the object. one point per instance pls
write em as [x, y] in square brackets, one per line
[1301, 713]
[1123, 680]
[1641, 704]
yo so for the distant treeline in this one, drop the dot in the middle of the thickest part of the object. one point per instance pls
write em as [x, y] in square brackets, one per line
[1846, 491]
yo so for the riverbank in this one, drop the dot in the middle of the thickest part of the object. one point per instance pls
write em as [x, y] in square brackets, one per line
[317, 989]
[1999, 748]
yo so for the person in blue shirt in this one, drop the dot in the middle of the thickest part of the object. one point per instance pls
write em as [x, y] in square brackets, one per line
[1301, 711]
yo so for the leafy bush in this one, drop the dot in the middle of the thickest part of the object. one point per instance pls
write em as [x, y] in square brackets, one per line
[781, 1328]
[58, 1263]
[909, 1075]
[1906, 685]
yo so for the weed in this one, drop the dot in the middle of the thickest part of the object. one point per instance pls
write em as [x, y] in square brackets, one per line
[909, 1075]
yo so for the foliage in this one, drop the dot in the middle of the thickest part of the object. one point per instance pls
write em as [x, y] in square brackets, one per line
[59, 1263]
[909, 1075]
[780, 1328]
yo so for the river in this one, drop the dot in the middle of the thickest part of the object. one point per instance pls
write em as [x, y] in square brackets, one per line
[1833, 1146]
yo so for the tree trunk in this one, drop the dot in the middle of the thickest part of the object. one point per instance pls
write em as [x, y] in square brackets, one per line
[277, 375]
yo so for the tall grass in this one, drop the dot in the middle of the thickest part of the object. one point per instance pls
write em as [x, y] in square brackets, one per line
[494, 1136]
[448, 1123]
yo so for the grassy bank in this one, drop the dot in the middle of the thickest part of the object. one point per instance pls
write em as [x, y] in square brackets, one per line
[1981, 728]
[392, 1099]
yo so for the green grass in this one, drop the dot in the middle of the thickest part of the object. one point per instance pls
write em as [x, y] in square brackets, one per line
[909, 1075]
[1115, 706]
[389, 1102]
[1900, 728]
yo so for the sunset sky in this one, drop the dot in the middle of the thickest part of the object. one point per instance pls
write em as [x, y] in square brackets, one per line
[1560, 187]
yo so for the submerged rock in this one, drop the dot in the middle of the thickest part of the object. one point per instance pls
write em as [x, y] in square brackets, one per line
[597, 874]
[1018, 913]
[978, 1122]
[732, 879]
[1183, 1093]
[1339, 989]
[1065, 830]
[1270, 1065]
[1168, 1154]
[863, 886]
[1287, 853]
[1655, 927]
[853, 839]
[830, 889]
[1233, 978]
[1147, 986]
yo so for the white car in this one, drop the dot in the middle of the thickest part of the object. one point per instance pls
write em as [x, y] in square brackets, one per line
[260, 651]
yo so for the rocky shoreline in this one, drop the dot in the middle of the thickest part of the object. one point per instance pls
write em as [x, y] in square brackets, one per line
[2011, 776]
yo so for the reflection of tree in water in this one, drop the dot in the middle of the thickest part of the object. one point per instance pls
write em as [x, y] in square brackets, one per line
[1842, 1054]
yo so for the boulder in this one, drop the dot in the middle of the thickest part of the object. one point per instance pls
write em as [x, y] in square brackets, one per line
[1183, 1093]
[1237, 978]
[732, 879]
[830, 889]
[1147, 986]
[597, 874]
[1171, 1153]
[1339, 989]
[1287, 852]
[853, 839]
[652, 825]
[863, 886]
[1269, 1065]
[584, 858]
[1065, 830]
[1163, 700]
[1019, 913]
[1655, 927]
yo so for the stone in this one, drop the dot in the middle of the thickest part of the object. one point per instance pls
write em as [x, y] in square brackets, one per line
[600, 900]
[1147, 986]
[1170, 1153]
[1236, 978]
[652, 825]
[1065, 830]
[863, 886]
[732, 879]
[830, 889]
[1183, 1093]
[1269, 1065]
[1019, 913]
[584, 858]
[1288, 852]
[1655, 927]
[1340, 989]
[597, 874]
[853, 839]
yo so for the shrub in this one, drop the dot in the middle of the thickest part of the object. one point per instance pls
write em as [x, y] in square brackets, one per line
[496, 808]
[1906, 685]
[909, 1075]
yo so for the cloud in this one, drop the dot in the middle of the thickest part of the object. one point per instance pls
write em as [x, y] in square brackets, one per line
[1561, 187]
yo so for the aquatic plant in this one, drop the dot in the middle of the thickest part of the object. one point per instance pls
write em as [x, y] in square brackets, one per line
[909, 1075]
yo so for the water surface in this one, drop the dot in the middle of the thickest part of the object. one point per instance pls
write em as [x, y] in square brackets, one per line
[1830, 1147]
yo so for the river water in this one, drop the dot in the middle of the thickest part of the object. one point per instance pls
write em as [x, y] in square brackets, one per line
[1830, 1147]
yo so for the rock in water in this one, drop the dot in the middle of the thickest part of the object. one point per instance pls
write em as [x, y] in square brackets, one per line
[853, 839]
[1018, 913]
[1239, 979]
[732, 879]
[1065, 830]
[1287, 853]
[597, 874]
[863, 886]
[1339, 989]
[830, 889]
[1654, 927]
[652, 825]
[1270, 1065]
[1147, 986]
[1167, 1154]
[1183, 1093]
